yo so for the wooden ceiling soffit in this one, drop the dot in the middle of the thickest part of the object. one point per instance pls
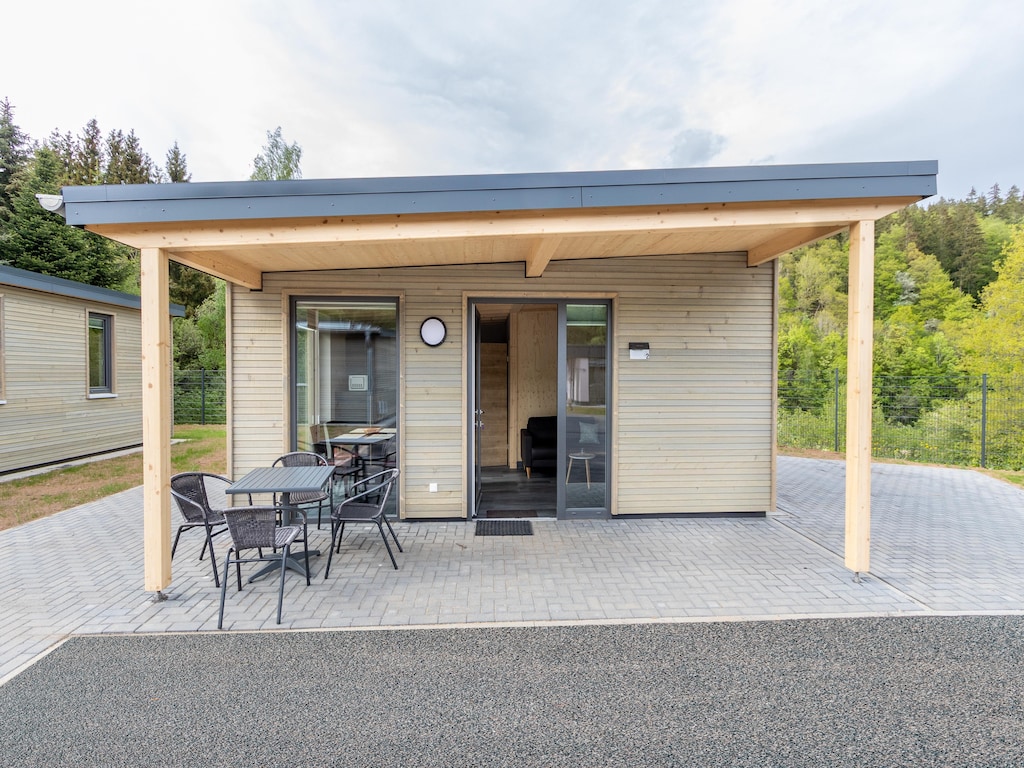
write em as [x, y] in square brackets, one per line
[199, 236]
[219, 265]
[787, 241]
[540, 255]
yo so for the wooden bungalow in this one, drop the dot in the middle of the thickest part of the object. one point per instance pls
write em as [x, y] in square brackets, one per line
[618, 328]
[70, 373]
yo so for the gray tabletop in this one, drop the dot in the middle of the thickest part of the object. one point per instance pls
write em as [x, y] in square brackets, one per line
[283, 480]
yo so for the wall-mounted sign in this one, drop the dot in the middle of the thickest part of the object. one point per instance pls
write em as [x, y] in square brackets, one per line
[639, 350]
[358, 383]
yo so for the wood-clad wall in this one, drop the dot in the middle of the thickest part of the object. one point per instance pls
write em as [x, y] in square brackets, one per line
[494, 403]
[48, 415]
[691, 426]
[534, 370]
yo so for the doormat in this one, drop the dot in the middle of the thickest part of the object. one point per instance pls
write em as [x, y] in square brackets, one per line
[504, 528]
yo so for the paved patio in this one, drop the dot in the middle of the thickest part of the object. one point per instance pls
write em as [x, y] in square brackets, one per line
[944, 541]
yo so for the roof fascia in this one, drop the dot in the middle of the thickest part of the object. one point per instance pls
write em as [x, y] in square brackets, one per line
[220, 201]
[59, 286]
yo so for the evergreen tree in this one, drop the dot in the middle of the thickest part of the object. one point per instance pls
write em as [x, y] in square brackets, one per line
[1012, 209]
[977, 202]
[138, 165]
[127, 163]
[63, 145]
[37, 240]
[116, 162]
[87, 158]
[278, 160]
[177, 166]
[15, 149]
[189, 287]
[965, 249]
[995, 200]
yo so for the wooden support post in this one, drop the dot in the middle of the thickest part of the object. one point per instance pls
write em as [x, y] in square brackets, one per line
[156, 419]
[860, 340]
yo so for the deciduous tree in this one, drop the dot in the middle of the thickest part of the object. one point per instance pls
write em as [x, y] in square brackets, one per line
[278, 160]
[994, 338]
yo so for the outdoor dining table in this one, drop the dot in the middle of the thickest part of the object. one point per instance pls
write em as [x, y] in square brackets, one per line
[356, 439]
[284, 481]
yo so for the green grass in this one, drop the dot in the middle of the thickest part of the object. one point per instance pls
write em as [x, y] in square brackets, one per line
[204, 448]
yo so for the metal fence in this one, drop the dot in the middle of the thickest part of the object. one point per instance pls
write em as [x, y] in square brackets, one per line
[200, 397]
[975, 421]
[962, 420]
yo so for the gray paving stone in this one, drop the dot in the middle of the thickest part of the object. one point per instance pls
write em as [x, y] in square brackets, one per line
[943, 540]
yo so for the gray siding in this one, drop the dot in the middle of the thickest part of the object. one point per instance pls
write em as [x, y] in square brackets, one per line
[692, 425]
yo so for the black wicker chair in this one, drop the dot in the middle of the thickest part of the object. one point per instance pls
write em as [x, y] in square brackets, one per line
[366, 504]
[307, 459]
[347, 463]
[381, 456]
[191, 492]
[257, 528]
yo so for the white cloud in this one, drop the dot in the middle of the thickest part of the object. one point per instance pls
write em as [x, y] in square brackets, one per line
[402, 87]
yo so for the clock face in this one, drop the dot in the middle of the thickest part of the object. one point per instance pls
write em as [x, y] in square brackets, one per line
[433, 331]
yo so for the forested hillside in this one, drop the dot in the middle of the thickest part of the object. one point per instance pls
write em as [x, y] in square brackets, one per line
[949, 307]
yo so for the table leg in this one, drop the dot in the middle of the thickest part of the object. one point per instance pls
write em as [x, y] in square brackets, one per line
[296, 560]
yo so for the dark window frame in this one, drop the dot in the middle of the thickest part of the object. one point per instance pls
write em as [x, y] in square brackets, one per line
[101, 377]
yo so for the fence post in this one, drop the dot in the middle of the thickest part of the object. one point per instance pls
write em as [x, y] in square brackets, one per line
[202, 397]
[984, 416]
[835, 419]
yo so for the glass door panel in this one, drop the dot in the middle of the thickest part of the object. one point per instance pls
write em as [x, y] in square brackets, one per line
[584, 447]
[346, 380]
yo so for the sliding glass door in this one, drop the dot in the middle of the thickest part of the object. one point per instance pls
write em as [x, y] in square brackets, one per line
[545, 450]
[345, 374]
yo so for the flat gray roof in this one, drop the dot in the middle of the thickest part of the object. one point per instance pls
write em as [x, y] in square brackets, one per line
[33, 281]
[210, 201]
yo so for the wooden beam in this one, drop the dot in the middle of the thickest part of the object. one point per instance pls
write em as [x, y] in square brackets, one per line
[193, 237]
[858, 396]
[787, 241]
[224, 267]
[156, 420]
[540, 255]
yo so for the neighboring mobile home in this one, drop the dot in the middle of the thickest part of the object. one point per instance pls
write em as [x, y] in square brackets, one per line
[70, 370]
[625, 320]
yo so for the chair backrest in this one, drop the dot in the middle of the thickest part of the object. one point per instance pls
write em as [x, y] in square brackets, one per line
[252, 527]
[380, 451]
[318, 434]
[373, 489]
[301, 459]
[190, 491]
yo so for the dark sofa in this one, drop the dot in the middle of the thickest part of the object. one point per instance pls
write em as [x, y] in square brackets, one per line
[539, 440]
[538, 443]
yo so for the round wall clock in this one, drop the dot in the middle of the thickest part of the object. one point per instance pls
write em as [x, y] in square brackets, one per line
[433, 331]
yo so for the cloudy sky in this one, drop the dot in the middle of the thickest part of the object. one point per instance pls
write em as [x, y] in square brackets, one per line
[412, 87]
